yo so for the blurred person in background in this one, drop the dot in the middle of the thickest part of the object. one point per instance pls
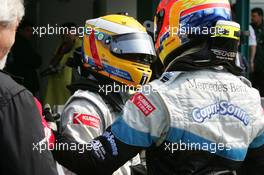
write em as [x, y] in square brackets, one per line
[258, 63]
[59, 74]
[24, 60]
[247, 64]
[252, 43]
[20, 120]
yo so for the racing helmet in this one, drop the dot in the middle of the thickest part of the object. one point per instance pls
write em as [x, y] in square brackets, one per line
[178, 21]
[118, 47]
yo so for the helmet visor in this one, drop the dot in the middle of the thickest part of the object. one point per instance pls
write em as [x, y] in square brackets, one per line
[134, 46]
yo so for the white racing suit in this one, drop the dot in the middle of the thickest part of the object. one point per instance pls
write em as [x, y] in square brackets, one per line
[197, 122]
[86, 116]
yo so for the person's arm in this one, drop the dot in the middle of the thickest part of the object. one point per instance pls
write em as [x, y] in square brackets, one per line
[100, 156]
[21, 133]
[252, 53]
[253, 46]
[140, 127]
[81, 119]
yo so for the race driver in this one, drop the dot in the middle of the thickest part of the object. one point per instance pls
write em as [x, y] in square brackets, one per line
[117, 54]
[200, 117]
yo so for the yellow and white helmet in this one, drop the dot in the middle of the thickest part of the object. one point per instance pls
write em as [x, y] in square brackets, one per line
[118, 47]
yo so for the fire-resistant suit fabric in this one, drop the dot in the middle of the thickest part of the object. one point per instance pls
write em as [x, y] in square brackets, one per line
[86, 116]
[195, 122]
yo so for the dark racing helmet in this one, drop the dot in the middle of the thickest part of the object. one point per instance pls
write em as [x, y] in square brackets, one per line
[181, 25]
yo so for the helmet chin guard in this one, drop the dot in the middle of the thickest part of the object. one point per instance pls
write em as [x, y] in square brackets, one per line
[220, 49]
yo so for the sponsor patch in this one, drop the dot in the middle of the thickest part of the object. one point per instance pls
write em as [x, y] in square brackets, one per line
[222, 108]
[117, 72]
[166, 77]
[143, 104]
[88, 120]
[111, 139]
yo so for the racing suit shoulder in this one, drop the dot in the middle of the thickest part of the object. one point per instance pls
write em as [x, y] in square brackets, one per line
[144, 121]
[146, 118]
[21, 132]
[258, 137]
[87, 103]
[213, 101]
[85, 116]
[258, 121]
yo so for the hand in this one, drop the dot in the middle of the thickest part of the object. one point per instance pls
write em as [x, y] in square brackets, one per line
[50, 118]
[47, 131]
